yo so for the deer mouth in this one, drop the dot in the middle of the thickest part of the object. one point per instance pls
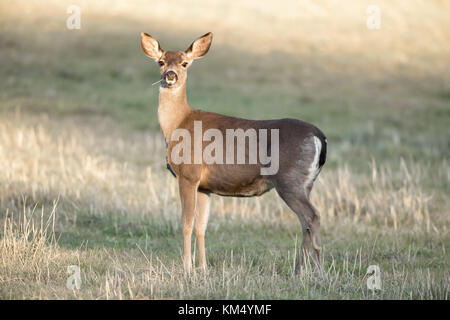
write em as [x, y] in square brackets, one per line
[170, 78]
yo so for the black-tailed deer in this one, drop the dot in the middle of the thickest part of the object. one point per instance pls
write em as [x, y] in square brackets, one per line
[296, 150]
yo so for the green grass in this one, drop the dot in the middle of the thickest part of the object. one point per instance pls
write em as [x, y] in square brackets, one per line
[123, 259]
[115, 80]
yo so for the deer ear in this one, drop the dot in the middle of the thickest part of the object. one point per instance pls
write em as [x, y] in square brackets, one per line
[199, 47]
[150, 46]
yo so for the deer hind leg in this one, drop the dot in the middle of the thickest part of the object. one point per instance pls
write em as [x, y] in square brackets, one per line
[315, 226]
[188, 195]
[201, 221]
[296, 198]
[315, 233]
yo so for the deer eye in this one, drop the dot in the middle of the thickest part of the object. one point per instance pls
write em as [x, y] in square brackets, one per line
[184, 64]
[161, 63]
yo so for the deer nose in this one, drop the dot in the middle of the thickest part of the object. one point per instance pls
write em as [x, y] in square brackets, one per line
[171, 77]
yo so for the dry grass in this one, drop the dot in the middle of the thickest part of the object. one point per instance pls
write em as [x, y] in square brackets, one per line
[120, 171]
[66, 170]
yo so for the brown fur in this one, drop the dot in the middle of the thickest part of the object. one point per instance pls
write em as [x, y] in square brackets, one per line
[197, 181]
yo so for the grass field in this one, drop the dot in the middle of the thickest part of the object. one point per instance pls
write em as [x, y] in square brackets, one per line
[83, 179]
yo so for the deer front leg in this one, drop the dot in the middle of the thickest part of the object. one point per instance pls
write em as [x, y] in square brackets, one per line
[188, 195]
[201, 221]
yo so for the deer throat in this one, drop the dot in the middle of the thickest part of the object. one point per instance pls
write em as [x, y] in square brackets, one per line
[172, 110]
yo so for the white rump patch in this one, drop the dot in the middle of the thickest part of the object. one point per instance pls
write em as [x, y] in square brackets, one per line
[314, 168]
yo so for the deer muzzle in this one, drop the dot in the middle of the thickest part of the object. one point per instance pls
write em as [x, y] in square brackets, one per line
[170, 77]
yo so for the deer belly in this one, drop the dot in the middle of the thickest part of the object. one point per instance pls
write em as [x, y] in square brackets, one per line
[235, 185]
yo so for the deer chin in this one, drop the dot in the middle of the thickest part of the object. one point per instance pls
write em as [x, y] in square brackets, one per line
[168, 84]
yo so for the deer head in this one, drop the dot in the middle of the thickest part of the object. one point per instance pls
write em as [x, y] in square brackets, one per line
[174, 64]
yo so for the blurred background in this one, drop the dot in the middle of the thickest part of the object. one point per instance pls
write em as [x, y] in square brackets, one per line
[78, 125]
[314, 60]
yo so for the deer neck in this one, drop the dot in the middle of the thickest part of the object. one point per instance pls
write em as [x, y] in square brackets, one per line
[172, 110]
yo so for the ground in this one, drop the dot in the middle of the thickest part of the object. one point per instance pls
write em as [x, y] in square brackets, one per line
[83, 179]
